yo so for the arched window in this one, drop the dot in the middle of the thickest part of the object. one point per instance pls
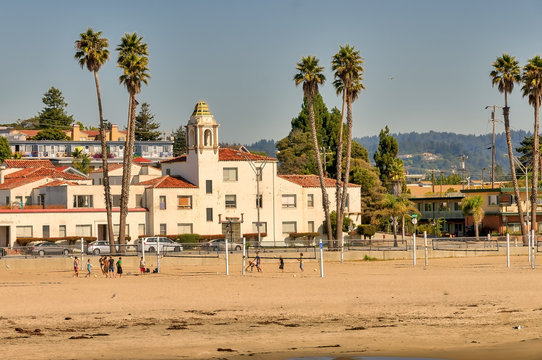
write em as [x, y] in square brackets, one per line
[192, 138]
[207, 138]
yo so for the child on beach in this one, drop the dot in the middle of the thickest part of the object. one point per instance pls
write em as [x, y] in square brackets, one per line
[141, 266]
[119, 267]
[76, 267]
[300, 261]
[281, 263]
[89, 267]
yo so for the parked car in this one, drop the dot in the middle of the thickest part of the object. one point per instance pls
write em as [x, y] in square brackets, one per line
[49, 248]
[99, 247]
[166, 244]
[220, 244]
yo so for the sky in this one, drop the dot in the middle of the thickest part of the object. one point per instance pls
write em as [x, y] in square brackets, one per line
[427, 63]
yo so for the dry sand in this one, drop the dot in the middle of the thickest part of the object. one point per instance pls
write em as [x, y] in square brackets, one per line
[457, 308]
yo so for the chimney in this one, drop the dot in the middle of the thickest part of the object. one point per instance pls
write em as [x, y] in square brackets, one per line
[2, 168]
[114, 133]
[76, 134]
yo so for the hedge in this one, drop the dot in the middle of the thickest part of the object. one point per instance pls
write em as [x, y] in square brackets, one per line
[366, 230]
[23, 241]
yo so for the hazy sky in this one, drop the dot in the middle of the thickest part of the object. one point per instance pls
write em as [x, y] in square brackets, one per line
[427, 63]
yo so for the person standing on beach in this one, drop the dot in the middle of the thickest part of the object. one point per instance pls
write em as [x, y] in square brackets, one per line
[257, 261]
[105, 266]
[111, 266]
[89, 267]
[119, 267]
[76, 267]
[281, 263]
[142, 266]
[300, 261]
[101, 261]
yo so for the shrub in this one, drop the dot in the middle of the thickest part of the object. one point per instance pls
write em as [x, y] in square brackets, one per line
[23, 241]
[188, 238]
[366, 230]
[368, 258]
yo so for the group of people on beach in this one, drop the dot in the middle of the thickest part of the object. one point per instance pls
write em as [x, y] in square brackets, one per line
[257, 263]
[107, 266]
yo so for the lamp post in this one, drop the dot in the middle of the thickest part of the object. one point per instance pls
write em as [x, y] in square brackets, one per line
[259, 198]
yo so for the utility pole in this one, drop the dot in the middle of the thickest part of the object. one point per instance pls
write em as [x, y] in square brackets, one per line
[324, 153]
[433, 181]
[483, 169]
[493, 113]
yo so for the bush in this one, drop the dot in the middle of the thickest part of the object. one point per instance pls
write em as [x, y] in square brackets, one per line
[188, 238]
[23, 241]
[366, 230]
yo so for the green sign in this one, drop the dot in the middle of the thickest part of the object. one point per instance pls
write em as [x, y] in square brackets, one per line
[414, 216]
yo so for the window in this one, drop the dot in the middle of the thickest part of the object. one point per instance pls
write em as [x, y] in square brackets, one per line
[209, 212]
[263, 227]
[162, 202]
[139, 200]
[209, 186]
[184, 202]
[259, 201]
[168, 171]
[83, 201]
[492, 200]
[19, 200]
[310, 226]
[41, 199]
[428, 206]
[420, 207]
[163, 229]
[116, 228]
[28, 200]
[61, 230]
[24, 231]
[289, 227]
[347, 204]
[230, 174]
[310, 200]
[184, 229]
[83, 230]
[141, 229]
[443, 206]
[7, 200]
[207, 138]
[45, 231]
[231, 201]
[288, 201]
[456, 206]
[115, 201]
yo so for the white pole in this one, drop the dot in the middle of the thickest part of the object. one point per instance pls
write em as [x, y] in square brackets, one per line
[342, 249]
[529, 246]
[227, 263]
[425, 246]
[532, 249]
[414, 248]
[158, 254]
[143, 242]
[82, 253]
[508, 251]
[321, 259]
[244, 255]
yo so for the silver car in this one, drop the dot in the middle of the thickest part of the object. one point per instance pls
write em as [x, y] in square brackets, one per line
[152, 243]
[49, 248]
[99, 247]
[220, 244]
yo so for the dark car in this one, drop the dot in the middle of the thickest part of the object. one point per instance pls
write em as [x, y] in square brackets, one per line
[49, 248]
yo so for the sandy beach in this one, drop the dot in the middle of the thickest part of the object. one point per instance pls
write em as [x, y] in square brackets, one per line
[456, 308]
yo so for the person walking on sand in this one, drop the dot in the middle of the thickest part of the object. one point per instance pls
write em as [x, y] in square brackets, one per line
[281, 264]
[300, 261]
[89, 267]
[119, 267]
[257, 262]
[111, 267]
[142, 266]
[76, 267]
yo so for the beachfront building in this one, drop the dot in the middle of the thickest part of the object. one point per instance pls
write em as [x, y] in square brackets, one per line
[210, 191]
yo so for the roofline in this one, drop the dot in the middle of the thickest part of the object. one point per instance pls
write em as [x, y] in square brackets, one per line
[78, 210]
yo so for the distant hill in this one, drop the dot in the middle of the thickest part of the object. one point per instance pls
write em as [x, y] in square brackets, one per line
[436, 150]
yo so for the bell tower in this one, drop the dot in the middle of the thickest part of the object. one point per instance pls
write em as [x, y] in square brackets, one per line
[201, 131]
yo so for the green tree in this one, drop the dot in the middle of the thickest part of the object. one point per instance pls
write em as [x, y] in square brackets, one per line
[386, 159]
[51, 134]
[310, 75]
[505, 74]
[5, 150]
[179, 141]
[91, 51]
[472, 206]
[81, 161]
[397, 207]
[54, 114]
[296, 154]
[347, 65]
[532, 89]
[347, 222]
[145, 128]
[133, 60]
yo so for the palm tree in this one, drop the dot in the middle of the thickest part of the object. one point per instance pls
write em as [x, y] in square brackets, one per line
[310, 75]
[532, 88]
[133, 60]
[91, 52]
[473, 206]
[505, 74]
[394, 207]
[347, 64]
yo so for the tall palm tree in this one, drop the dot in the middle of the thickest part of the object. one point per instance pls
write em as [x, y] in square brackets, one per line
[532, 88]
[347, 64]
[310, 75]
[92, 52]
[133, 60]
[473, 206]
[506, 73]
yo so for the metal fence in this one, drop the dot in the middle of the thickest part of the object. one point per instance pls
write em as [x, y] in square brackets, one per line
[355, 244]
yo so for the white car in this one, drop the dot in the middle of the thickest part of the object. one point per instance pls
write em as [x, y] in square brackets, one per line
[164, 244]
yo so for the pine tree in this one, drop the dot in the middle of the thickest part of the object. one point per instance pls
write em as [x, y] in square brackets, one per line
[145, 125]
[54, 114]
[179, 141]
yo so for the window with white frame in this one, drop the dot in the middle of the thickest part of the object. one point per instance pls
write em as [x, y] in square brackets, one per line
[162, 202]
[141, 229]
[289, 227]
[310, 226]
[184, 229]
[288, 201]
[310, 200]
[45, 231]
[24, 231]
[184, 202]
[230, 174]
[163, 229]
[209, 214]
[492, 199]
[61, 230]
[116, 228]
[263, 227]
[231, 201]
[83, 230]
[83, 201]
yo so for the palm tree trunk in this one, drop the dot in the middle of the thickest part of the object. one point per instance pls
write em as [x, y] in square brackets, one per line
[476, 231]
[107, 187]
[325, 200]
[127, 169]
[403, 227]
[338, 196]
[348, 153]
[536, 155]
[506, 114]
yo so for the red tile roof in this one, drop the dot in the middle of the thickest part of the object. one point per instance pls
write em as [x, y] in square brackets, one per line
[167, 181]
[110, 168]
[227, 154]
[16, 163]
[52, 173]
[58, 183]
[140, 159]
[29, 132]
[181, 158]
[62, 168]
[9, 184]
[311, 180]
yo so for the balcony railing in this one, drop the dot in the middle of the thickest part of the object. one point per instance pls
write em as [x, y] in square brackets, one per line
[446, 214]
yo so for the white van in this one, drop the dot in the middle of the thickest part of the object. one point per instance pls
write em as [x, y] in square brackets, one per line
[164, 244]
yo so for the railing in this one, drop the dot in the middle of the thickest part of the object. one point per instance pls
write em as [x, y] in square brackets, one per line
[446, 214]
